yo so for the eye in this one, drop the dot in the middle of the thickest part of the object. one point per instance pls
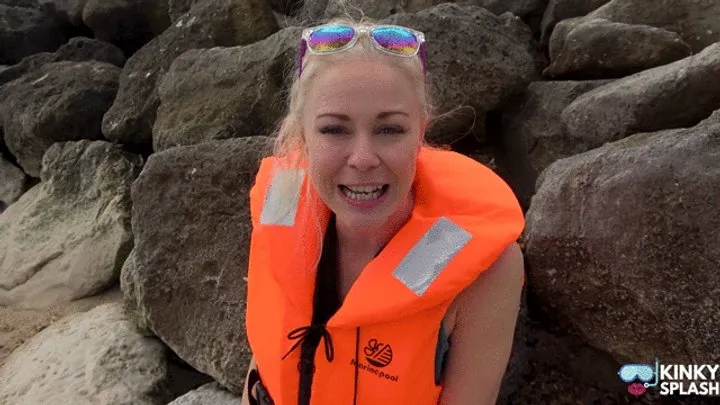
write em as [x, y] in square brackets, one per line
[332, 130]
[390, 130]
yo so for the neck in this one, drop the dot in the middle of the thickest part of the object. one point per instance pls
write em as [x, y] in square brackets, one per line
[369, 241]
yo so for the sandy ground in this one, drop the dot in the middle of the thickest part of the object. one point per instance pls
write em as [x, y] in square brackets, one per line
[19, 325]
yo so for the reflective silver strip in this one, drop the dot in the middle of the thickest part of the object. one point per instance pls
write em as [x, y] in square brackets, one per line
[424, 262]
[281, 200]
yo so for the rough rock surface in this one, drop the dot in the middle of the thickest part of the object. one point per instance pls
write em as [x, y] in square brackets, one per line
[191, 222]
[127, 24]
[67, 237]
[477, 60]
[12, 182]
[558, 10]
[71, 10]
[622, 245]
[224, 93]
[78, 49]
[647, 101]
[60, 101]
[25, 31]
[208, 394]
[93, 358]
[532, 135]
[599, 49]
[208, 24]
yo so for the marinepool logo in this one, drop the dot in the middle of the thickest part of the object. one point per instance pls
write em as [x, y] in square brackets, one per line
[672, 379]
[378, 355]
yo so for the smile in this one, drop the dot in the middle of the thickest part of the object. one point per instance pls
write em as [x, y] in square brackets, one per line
[364, 193]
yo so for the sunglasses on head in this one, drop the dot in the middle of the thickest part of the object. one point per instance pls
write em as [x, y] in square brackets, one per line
[331, 38]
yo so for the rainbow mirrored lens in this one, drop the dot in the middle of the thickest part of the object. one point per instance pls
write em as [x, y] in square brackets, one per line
[330, 38]
[396, 40]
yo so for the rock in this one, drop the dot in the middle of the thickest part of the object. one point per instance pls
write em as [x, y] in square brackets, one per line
[78, 49]
[598, 49]
[696, 21]
[209, 24]
[532, 136]
[647, 101]
[60, 101]
[12, 182]
[476, 60]
[20, 3]
[224, 93]
[286, 7]
[127, 24]
[71, 10]
[90, 358]
[176, 8]
[25, 31]
[558, 10]
[17, 326]
[193, 298]
[621, 243]
[208, 394]
[67, 237]
[132, 290]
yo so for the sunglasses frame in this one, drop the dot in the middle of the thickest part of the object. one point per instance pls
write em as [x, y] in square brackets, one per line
[357, 31]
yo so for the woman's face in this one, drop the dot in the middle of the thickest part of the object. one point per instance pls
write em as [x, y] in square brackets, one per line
[363, 129]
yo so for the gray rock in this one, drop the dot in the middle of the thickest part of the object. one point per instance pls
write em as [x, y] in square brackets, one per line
[558, 10]
[697, 21]
[127, 24]
[176, 8]
[475, 60]
[532, 135]
[60, 101]
[25, 31]
[208, 394]
[91, 358]
[598, 49]
[12, 182]
[647, 101]
[208, 24]
[622, 245]
[191, 224]
[67, 237]
[71, 10]
[78, 49]
[132, 290]
[224, 93]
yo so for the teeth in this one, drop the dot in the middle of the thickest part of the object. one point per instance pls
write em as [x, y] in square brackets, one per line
[364, 189]
[373, 194]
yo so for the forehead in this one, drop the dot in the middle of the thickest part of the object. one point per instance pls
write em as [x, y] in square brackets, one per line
[349, 84]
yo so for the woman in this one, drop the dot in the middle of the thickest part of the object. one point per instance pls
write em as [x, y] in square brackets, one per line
[382, 271]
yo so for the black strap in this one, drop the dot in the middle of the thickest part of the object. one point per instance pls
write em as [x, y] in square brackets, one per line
[253, 378]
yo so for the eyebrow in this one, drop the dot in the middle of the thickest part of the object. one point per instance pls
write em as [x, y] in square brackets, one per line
[344, 117]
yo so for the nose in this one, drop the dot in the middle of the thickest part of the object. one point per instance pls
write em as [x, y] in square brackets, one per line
[363, 156]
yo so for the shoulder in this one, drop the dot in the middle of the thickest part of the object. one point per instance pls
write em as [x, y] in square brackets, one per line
[502, 281]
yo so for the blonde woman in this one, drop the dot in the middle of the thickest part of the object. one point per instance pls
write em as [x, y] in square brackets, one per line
[382, 270]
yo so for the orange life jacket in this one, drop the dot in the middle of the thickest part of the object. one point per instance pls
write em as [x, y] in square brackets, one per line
[387, 333]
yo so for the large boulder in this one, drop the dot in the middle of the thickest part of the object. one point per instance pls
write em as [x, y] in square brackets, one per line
[78, 49]
[621, 243]
[127, 24]
[558, 10]
[224, 93]
[176, 8]
[60, 101]
[208, 394]
[25, 31]
[532, 137]
[208, 24]
[12, 182]
[92, 358]
[70, 10]
[676, 95]
[697, 21]
[191, 223]
[67, 237]
[598, 49]
[476, 60]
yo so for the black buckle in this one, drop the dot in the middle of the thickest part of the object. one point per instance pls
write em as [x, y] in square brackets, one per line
[257, 394]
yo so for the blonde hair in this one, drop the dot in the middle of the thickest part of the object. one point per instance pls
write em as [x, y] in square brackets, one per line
[289, 142]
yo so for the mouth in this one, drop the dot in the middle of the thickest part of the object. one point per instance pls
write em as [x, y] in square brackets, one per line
[364, 193]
